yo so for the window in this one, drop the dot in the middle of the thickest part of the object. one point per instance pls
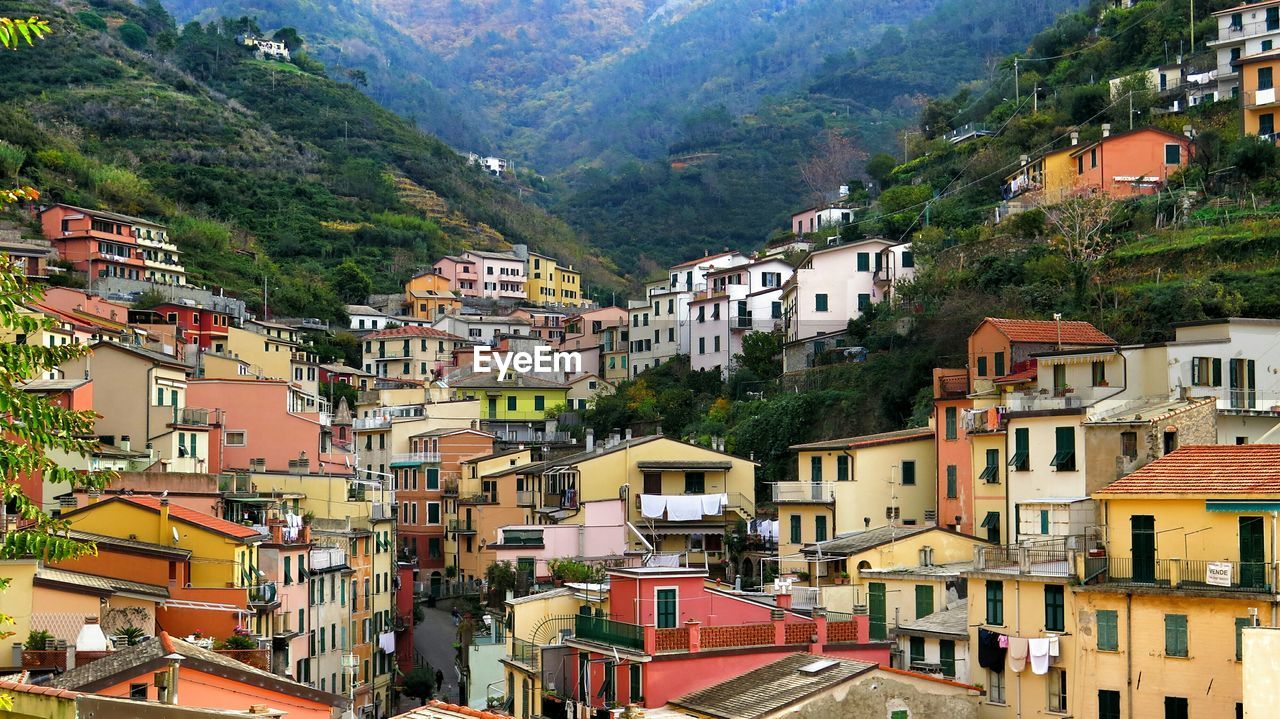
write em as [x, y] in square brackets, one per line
[995, 687]
[951, 481]
[995, 604]
[999, 362]
[695, 482]
[666, 600]
[820, 529]
[539, 402]
[433, 478]
[1108, 632]
[1059, 377]
[1098, 374]
[1129, 445]
[1264, 78]
[1064, 457]
[1241, 623]
[1108, 704]
[864, 261]
[1080, 165]
[1058, 691]
[1175, 708]
[908, 472]
[947, 657]
[951, 422]
[234, 438]
[908, 259]
[1044, 521]
[820, 303]
[433, 512]
[982, 366]
[1206, 371]
[864, 303]
[511, 403]
[702, 345]
[917, 650]
[991, 523]
[1266, 124]
[815, 469]
[288, 571]
[1054, 615]
[1021, 461]
[991, 472]
[1273, 18]
[1237, 23]
[138, 691]
[924, 600]
[1175, 635]
[636, 684]
[842, 468]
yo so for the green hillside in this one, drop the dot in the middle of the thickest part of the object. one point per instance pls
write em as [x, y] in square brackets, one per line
[262, 168]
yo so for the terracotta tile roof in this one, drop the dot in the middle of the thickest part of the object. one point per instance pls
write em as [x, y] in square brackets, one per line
[1074, 332]
[1207, 469]
[20, 688]
[772, 687]
[1026, 375]
[426, 713]
[411, 331]
[181, 514]
[868, 440]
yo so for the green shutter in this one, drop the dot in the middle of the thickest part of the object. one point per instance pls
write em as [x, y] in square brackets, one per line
[820, 529]
[999, 364]
[951, 422]
[820, 303]
[1217, 371]
[1064, 457]
[1241, 623]
[995, 603]
[864, 262]
[815, 469]
[917, 650]
[876, 610]
[666, 608]
[908, 472]
[1175, 635]
[842, 468]
[1108, 630]
[433, 478]
[991, 473]
[795, 529]
[924, 600]
[982, 366]
[951, 481]
[947, 657]
[1021, 459]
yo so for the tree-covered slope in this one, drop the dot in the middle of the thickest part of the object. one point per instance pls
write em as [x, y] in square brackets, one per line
[262, 168]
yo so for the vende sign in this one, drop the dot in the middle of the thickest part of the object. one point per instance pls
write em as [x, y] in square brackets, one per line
[1218, 574]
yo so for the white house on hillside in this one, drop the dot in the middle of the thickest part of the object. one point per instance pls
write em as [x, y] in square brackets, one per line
[738, 299]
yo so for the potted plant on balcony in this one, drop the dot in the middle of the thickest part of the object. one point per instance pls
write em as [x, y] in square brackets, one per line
[132, 636]
[451, 571]
[238, 642]
[802, 576]
[308, 518]
[842, 578]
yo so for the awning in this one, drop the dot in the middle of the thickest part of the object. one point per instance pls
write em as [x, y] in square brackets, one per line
[991, 521]
[205, 606]
[685, 465]
[252, 500]
[671, 530]
[1241, 505]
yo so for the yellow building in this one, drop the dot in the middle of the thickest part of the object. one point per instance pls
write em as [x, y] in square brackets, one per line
[421, 354]
[252, 354]
[661, 481]
[879, 568]
[520, 398]
[1048, 178]
[1258, 74]
[223, 554]
[427, 296]
[16, 599]
[474, 524]
[551, 283]
[534, 642]
[855, 483]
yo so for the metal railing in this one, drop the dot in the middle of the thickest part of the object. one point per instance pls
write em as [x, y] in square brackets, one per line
[802, 491]
[1208, 575]
[806, 597]
[525, 652]
[524, 498]
[608, 631]
[263, 593]
[461, 526]
[449, 487]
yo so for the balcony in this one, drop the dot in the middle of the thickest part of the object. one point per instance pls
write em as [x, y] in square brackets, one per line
[1035, 402]
[461, 526]
[380, 421]
[804, 492]
[414, 458]
[195, 417]
[608, 631]
[478, 498]
[264, 594]
[1188, 574]
[1047, 560]
[524, 498]
[525, 652]
[1260, 98]
[449, 487]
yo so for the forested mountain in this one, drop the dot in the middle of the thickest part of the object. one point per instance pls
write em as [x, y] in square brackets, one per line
[263, 169]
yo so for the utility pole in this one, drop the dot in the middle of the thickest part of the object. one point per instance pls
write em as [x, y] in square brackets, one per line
[1017, 96]
[1193, 26]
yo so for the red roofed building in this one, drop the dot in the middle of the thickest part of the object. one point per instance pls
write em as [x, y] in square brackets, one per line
[410, 353]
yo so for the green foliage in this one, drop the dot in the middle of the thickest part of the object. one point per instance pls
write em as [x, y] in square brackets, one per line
[238, 642]
[419, 683]
[11, 159]
[761, 354]
[15, 31]
[1255, 157]
[133, 636]
[571, 570]
[351, 283]
[149, 299]
[37, 640]
[92, 20]
[133, 35]
[880, 167]
[501, 577]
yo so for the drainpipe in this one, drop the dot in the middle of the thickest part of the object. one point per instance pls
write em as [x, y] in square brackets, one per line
[1128, 650]
[1275, 597]
[1017, 623]
[146, 402]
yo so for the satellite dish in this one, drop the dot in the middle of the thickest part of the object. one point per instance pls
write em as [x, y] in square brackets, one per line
[175, 535]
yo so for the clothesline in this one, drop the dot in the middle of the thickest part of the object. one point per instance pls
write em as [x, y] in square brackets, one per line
[996, 651]
[683, 507]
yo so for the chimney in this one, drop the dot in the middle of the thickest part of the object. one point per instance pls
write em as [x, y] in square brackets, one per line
[125, 442]
[166, 528]
[1190, 133]
[1023, 160]
[613, 439]
[591, 439]
[1075, 138]
[1106, 129]
[628, 435]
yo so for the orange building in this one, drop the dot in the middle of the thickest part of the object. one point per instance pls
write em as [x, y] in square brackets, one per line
[423, 478]
[1258, 74]
[427, 296]
[1137, 162]
[98, 243]
[171, 671]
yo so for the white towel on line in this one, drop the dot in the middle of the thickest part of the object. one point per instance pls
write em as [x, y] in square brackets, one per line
[687, 508]
[652, 505]
[1038, 649]
[713, 504]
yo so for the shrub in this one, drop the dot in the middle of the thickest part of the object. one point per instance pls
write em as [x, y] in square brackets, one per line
[91, 20]
[238, 642]
[133, 35]
[37, 640]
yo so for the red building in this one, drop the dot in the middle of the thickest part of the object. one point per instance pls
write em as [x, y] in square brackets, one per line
[671, 634]
[205, 328]
[1137, 162]
[98, 243]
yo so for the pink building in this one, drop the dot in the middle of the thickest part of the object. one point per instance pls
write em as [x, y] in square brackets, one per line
[257, 424]
[670, 634]
[461, 274]
[601, 536]
[284, 560]
[477, 273]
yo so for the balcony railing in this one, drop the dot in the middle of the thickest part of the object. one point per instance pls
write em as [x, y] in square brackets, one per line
[478, 498]
[524, 652]
[461, 526]
[608, 631]
[449, 487]
[263, 593]
[1181, 573]
[804, 492]
[328, 557]
[524, 498]
[194, 416]
[1012, 559]
[1259, 98]
[416, 458]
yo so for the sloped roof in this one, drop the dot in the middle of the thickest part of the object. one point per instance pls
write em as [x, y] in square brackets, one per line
[950, 621]
[127, 662]
[94, 583]
[1215, 469]
[181, 514]
[764, 691]
[856, 542]
[1073, 332]
[868, 440]
[706, 258]
[478, 380]
[411, 331]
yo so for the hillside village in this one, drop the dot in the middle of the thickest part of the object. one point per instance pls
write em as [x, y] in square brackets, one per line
[297, 505]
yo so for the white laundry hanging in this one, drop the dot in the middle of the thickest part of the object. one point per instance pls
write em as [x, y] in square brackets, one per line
[652, 506]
